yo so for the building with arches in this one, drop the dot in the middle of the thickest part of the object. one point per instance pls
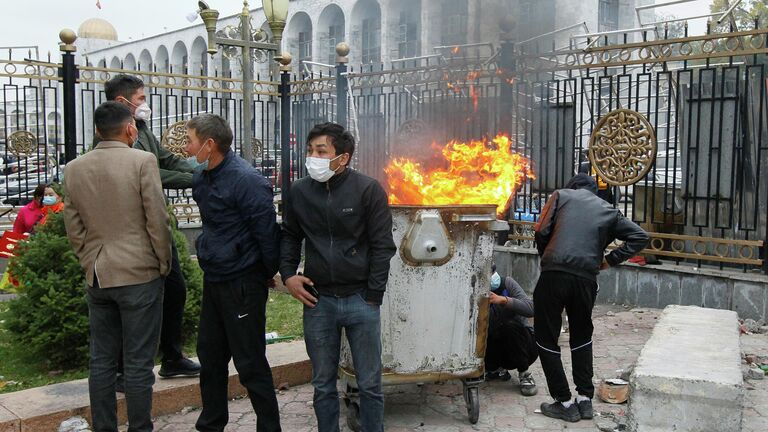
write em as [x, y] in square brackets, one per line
[378, 31]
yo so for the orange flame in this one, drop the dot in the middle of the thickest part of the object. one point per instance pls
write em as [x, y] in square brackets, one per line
[477, 172]
[472, 77]
[455, 50]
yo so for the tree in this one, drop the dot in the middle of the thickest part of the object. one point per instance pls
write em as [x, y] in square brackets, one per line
[744, 14]
[675, 30]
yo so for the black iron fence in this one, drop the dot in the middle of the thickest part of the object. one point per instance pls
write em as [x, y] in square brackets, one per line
[693, 174]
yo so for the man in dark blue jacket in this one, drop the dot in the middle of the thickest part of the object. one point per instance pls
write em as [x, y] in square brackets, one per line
[343, 219]
[572, 234]
[239, 251]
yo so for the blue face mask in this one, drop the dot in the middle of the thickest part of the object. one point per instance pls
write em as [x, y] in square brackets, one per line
[192, 160]
[495, 281]
[49, 200]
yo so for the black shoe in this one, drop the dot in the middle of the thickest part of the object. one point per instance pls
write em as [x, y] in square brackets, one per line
[180, 367]
[500, 374]
[120, 383]
[585, 409]
[559, 411]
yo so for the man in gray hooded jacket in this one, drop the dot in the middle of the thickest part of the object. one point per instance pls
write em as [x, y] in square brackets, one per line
[572, 234]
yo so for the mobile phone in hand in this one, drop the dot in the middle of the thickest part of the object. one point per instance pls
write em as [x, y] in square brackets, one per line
[310, 289]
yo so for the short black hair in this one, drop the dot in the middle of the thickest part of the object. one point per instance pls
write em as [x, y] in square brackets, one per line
[212, 126]
[341, 139]
[122, 85]
[582, 181]
[110, 117]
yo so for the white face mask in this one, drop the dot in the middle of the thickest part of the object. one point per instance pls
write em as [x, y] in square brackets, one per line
[320, 169]
[143, 111]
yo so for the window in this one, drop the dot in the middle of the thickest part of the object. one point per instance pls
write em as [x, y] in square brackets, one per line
[305, 46]
[335, 35]
[371, 40]
[408, 36]
[454, 22]
[608, 15]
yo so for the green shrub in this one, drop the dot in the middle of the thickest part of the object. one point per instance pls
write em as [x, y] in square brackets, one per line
[50, 315]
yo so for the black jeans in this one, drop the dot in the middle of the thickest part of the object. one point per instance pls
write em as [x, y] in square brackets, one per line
[555, 291]
[128, 319]
[174, 298]
[232, 323]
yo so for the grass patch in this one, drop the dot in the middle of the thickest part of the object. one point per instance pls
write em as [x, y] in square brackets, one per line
[19, 370]
[284, 315]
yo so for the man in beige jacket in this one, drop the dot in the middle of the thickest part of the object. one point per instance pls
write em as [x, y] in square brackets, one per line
[117, 224]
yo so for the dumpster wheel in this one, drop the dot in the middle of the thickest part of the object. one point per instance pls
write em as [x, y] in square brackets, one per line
[472, 400]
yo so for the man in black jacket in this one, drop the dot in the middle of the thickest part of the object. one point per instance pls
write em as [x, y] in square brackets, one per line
[175, 173]
[344, 219]
[572, 234]
[239, 251]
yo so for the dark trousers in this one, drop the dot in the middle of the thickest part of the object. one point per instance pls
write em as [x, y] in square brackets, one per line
[174, 298]
[554, 292]
[511, 345]
[232, 323]
[128, 319]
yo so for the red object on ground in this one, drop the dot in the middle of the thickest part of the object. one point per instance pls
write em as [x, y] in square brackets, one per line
[639, 260]
[8, 243]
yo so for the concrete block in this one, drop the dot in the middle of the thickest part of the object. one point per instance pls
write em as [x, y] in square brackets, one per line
[647, 288]
[691, 291]
[716, 292]
[749, 299]
[626, 285]
[608, 281]
[523, 267]
[702, 393]
[669, 289]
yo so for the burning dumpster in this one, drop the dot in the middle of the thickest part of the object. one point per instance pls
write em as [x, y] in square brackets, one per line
[434, 318]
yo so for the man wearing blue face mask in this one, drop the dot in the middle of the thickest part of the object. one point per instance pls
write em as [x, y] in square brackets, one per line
[175, 173]
[239, 251]
[511, 343]
[343, 218]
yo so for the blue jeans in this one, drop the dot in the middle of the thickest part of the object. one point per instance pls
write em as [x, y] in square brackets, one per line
[322, 334]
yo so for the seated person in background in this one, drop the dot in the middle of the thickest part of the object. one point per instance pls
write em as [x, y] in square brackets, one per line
[32, 213]
[511, 343]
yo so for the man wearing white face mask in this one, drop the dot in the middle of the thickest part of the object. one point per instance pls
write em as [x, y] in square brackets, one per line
[343, 218]
[175, 173]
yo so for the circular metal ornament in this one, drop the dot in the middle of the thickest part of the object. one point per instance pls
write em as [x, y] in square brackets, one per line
[622, 147]
[257, 148]
[175, 138]
[22, 143]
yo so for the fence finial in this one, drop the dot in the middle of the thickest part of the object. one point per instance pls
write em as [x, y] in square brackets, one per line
[68, 38]
[342, 51]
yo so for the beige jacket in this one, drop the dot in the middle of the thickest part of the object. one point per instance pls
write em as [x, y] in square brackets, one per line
[115, 214]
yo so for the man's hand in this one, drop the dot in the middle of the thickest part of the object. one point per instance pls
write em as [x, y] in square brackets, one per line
[604, 265]
[497, 299]
[295, 285]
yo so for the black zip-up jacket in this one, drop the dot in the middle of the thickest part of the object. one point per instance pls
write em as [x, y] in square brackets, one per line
[575, 228]
[347, 226]
[240, 230]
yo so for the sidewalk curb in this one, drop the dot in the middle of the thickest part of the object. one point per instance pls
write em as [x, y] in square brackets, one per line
[44, 408]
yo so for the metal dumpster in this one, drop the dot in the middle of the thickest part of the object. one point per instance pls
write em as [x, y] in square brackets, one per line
[434, 318]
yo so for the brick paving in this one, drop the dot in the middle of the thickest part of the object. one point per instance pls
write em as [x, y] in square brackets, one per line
[619, 336]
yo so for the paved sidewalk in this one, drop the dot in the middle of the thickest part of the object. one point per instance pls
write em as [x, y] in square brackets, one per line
[619, 337]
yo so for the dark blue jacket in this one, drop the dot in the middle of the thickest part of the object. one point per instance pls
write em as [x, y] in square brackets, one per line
[240, 231]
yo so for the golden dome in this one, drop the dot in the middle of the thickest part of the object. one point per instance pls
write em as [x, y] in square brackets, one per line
[97, 28]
